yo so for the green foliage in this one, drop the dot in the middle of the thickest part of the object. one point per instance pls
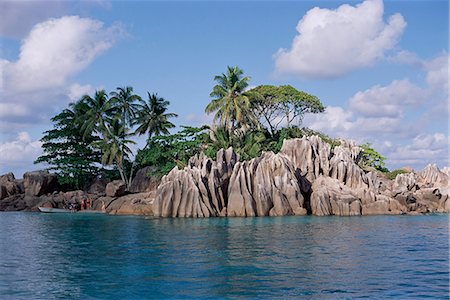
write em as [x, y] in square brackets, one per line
[152, 116]
[276, 105]
[166, 152]
[247, 144]
[372, 159]
[68, 153]
[392, 174]
[231, 103]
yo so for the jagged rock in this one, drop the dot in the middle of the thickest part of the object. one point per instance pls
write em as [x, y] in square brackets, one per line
[143, 181]
[310, 155]
[314, 157]
[403, 184]
[199, 190]
[431, 176]
[38, 183]
[331, 197]
[116, 188]
[264, 186]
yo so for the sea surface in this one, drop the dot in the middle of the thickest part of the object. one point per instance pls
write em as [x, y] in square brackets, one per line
[74, 256]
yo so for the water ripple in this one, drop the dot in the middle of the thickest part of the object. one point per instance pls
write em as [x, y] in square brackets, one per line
[95, 257]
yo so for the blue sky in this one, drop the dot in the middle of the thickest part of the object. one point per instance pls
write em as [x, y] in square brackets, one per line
[381, 68]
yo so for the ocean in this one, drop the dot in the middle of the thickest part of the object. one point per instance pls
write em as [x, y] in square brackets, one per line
[75, 256]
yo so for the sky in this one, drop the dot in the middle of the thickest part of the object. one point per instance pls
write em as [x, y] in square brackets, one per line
[380, 67]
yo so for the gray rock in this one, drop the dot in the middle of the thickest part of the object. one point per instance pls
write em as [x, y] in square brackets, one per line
[116, 188]
[332, 197]
[8, 186]
[144, 181]
[38, 183]
[265, 186]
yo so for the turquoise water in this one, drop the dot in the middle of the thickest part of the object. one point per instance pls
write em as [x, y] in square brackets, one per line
[45, 256]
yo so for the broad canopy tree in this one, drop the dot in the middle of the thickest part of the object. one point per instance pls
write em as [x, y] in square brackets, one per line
[281, 105]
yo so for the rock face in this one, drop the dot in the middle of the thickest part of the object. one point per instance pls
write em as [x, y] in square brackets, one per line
[331, 197]
[116, 188]
[265, 186]
[38, 183]
[306, 176]
[199, 190]
[143, 182]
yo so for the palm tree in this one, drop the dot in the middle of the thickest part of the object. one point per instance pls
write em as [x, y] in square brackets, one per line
[98, 112]
[114, 147]
[152, 118]
[230, 100]
[126, 102]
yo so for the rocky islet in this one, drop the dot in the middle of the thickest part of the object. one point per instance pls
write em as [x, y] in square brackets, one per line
[307, 176]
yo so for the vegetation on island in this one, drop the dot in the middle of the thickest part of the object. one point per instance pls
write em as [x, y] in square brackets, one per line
[95, 134]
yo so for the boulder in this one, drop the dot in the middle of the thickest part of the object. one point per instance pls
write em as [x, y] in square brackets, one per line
[116, 188]
[8, 186]
[38, 183]
[143, 181]
[132, 204]
[98, 186]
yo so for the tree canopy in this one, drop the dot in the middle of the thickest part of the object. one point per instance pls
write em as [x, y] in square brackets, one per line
[281, 105]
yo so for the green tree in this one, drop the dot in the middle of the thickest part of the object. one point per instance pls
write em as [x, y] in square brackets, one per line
[167, 151]
[231, 101]
[99, 112]
[152, 117]
[68, 152]
[126, 103]
[114, 146]
[370, 158]
[276, 105]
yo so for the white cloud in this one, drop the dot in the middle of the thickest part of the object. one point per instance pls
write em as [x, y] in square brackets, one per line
[20, 152]
[331, 43]
[387, 101]
[334, 121]
[424, 149]
[438, 72]
[76, 91]
[57, 49]
[38, 83]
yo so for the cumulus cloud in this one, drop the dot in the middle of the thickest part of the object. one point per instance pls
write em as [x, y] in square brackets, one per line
[38, 83]
[19, 153]
[387, 101]
[437, 72]
[57, 49]
[331, 43]
[424, 149]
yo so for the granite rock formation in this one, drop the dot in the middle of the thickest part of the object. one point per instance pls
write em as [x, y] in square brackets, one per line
[38, 183]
